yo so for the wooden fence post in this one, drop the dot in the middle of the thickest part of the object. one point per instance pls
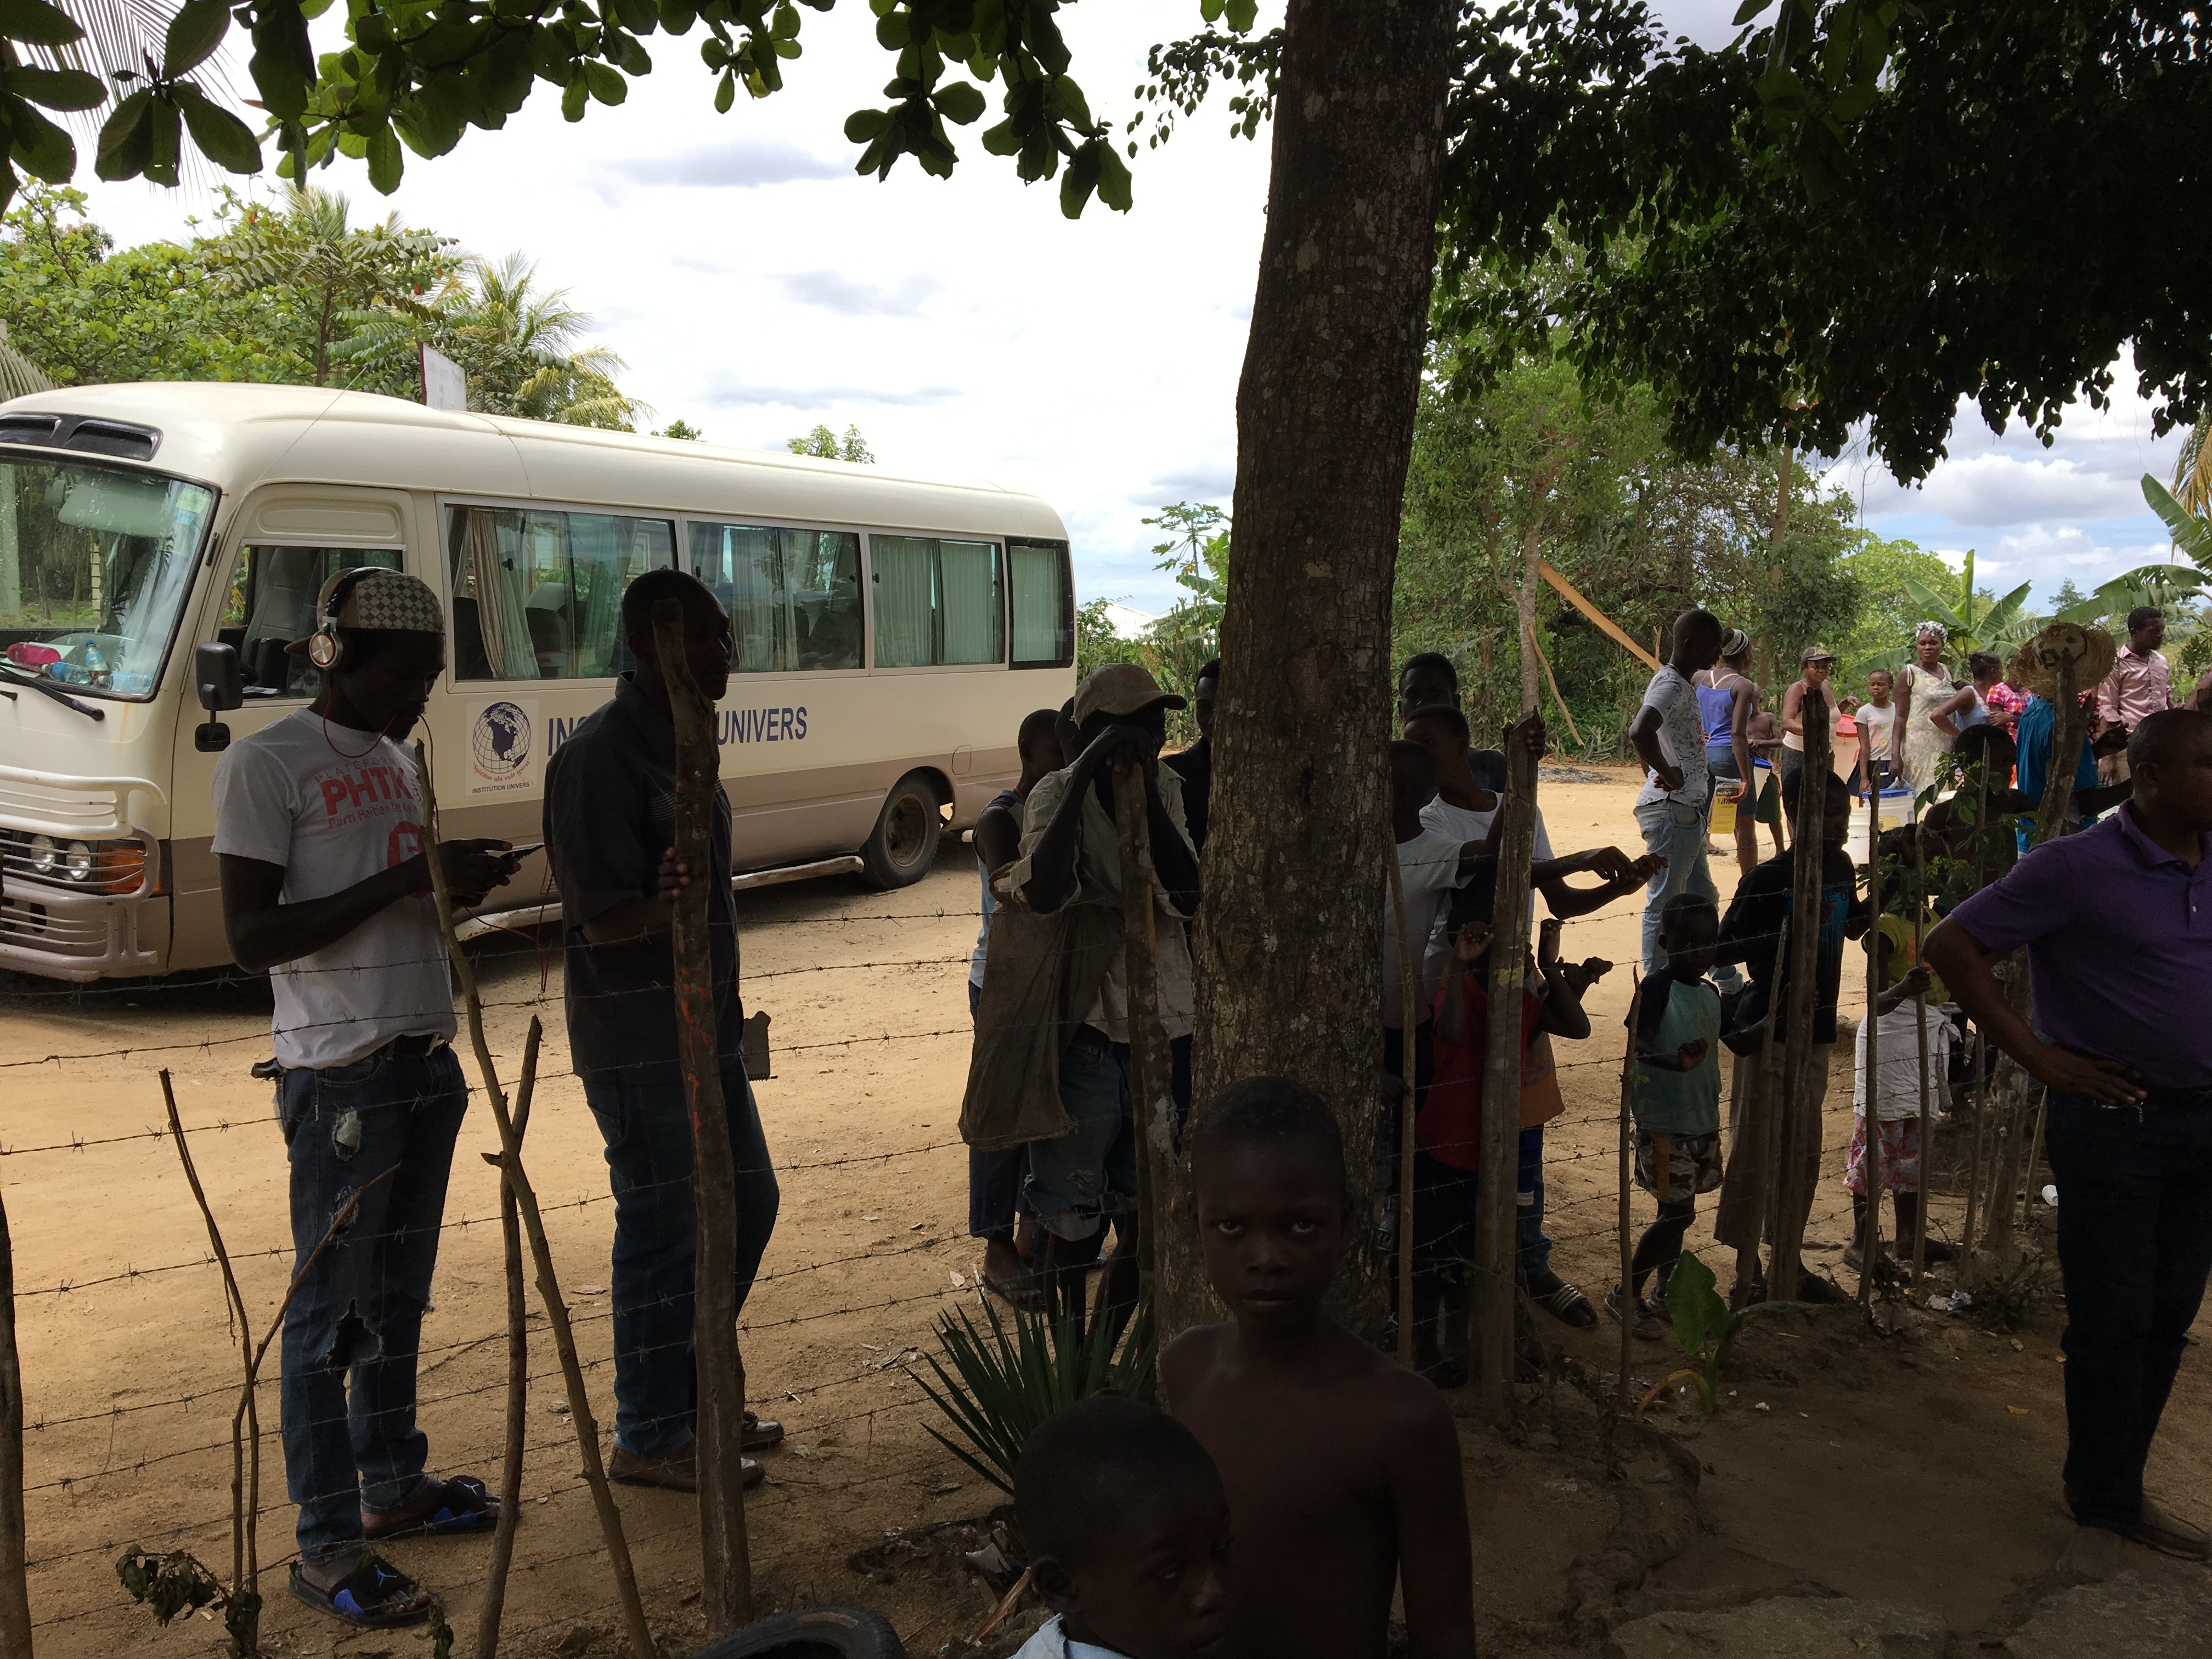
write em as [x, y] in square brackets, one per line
[1789, 1197]
[14, 1593]
[727, 1596]
[518, 1371]
[1870, 1121]
[1926, 1111]
[1152, 1106]
[1628, 1297]
[533, 1226]
[1496, 1216]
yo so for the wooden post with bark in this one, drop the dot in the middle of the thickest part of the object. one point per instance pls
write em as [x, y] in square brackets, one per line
[533, 1227]
[1149, 1066]
[1870, 1120]
[726, 1595]
[1927, 1108]
[1789, 1194]
[1628, 1297]
[1409, 990]
[1499, 1135]
[1288, 964]
[518, 1372]
[15, 1592]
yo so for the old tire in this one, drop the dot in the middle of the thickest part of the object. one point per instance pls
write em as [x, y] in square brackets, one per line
[827, 1629]
[903, 844]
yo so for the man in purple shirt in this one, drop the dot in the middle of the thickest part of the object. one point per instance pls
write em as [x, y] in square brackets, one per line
[2117, 923]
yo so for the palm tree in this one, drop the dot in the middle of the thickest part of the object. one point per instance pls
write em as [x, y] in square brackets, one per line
[307, 248]
[2192, 469]
[517, 345]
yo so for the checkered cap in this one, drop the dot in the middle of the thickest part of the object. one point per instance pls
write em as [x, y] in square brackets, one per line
[385, 599]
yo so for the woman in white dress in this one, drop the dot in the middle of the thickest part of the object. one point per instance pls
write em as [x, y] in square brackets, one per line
[1924, 686]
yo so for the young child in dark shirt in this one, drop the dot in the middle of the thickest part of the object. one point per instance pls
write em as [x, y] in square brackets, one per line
[1128, 1530]
[1343, 1469]
[1675, 1094]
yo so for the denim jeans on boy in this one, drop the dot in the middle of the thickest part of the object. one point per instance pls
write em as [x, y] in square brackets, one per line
[1677, 832]
[1089, 1174]
[2135, 1246]
[355, 1325]
[647, 1130]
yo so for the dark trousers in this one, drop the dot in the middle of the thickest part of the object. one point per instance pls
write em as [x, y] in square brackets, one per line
[2135, 1246]
[383, 1128]
[647, 1130]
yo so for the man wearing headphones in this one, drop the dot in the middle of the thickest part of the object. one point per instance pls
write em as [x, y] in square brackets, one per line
[326, 886]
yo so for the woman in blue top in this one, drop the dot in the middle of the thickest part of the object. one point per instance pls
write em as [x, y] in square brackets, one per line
[1727, 700]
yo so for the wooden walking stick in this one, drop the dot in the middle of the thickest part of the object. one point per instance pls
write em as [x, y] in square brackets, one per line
[1496, 1217]
[15, 1592]
[1409, 986]
[533, 1227]
[1148, 1060]
[727, 1595]
[1870, 1117]
[517, 1370]
[1628, 1298]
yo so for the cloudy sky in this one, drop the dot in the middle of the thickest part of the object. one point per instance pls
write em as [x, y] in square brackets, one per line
[755, 286]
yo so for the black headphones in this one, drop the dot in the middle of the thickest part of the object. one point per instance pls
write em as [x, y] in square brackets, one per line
[326, 646]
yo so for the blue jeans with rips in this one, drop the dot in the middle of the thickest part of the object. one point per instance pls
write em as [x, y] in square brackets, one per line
[1082, 1179]
[355, 1326]
[646, 1126]
[2135, 1247]
[1677, 832]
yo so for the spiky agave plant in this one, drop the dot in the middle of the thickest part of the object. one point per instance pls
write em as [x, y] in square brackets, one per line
[1003, 1383]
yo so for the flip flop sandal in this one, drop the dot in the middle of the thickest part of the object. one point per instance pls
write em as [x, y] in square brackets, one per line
[1570, 1306]
[462, 1505]
[372, 1596]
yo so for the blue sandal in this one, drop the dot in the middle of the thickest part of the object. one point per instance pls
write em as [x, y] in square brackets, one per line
[374, 1595]
[461, 1504]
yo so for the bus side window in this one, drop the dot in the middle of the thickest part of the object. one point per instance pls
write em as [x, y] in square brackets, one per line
[938, 601]
[537, 594]
[1043, 603]
[271, 604]
[793, 596]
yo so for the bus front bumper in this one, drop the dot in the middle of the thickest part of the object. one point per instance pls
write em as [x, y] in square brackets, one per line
[59, 934]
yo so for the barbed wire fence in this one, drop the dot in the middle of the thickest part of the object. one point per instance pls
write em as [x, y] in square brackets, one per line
[145, 1468]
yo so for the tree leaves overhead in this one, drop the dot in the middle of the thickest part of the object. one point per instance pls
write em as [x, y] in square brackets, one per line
[1980, 200]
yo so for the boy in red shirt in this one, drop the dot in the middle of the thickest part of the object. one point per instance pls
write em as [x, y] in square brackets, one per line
[1448, 1133]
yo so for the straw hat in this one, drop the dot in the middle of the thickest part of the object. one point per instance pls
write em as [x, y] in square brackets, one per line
[2035, 665]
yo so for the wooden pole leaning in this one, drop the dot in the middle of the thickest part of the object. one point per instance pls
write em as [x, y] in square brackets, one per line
[725, 1557]
[1409, 986]
[533, 1227]
[1870, 1119]
[1790, 1199]
[493, 1607]
[1628, 1310]
[1920, 1031]
[1491, 1304]
[1148, 1060]
[14, 1593]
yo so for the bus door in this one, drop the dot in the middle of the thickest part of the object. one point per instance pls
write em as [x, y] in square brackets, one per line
[283, 544]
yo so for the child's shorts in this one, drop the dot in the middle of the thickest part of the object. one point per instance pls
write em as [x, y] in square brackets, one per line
[1901, 1156]
[1693, 1164]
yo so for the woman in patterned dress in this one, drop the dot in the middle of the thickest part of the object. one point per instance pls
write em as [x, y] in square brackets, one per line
[1924, 686]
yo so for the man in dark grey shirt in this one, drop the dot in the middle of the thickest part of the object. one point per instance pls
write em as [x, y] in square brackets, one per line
[610, 827]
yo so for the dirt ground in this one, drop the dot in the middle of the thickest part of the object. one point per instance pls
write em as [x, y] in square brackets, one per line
[1919, 1466]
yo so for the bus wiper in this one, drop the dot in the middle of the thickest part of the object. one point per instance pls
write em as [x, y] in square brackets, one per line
[38, 683]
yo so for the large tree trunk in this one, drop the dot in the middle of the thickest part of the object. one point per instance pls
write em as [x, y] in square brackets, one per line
[1290, 941]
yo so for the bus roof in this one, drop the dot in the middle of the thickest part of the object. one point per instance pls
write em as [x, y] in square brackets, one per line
[236, 435]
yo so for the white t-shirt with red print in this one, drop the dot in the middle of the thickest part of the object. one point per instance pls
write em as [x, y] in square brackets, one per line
[334, 806]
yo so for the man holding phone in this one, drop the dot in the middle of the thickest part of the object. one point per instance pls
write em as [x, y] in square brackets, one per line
[326, 886]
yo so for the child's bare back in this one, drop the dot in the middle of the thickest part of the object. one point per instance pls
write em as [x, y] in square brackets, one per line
[1343, 1469]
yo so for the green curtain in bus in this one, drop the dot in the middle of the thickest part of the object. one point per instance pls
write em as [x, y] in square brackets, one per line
[971, 615]
[906, 630]
[499, 573]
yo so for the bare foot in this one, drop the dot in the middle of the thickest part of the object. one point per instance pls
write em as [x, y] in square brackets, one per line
[1002, 1262]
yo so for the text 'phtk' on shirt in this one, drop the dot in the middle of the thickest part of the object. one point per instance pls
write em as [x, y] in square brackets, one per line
[332, 807]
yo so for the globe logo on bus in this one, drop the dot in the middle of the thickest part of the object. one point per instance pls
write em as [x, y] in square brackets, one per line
[500, 745]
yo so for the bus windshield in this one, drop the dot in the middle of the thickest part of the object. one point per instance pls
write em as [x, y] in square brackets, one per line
[95, 564]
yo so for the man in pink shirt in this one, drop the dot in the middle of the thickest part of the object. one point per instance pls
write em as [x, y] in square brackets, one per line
[2140, 683]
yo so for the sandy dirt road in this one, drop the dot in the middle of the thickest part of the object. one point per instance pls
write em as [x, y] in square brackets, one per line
[1922, 1465]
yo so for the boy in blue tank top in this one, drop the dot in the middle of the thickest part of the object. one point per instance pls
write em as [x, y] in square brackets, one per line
[1676, 1095]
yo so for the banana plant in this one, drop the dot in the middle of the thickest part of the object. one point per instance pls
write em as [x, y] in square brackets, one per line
[1972, 624]
[2161, 586]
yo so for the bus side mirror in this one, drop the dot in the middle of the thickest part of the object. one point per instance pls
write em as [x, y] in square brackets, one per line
[221, 683]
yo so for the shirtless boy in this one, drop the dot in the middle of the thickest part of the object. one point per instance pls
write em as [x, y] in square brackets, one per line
[1343, 1469]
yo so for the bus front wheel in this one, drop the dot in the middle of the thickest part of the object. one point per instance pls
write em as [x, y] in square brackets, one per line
[903, 844]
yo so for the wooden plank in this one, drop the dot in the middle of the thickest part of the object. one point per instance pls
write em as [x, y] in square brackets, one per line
[1611, 629]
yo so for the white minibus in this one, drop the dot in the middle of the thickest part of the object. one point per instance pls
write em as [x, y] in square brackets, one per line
[161, 544]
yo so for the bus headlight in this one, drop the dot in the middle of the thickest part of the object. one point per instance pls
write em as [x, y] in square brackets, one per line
[76, 861]
[43, 854]
[102, 866]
